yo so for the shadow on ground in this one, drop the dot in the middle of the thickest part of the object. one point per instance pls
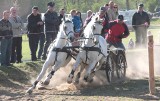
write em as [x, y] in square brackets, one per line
[137, 89]
[16, 75]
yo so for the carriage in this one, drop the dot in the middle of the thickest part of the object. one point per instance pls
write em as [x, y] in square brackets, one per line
[115, 64]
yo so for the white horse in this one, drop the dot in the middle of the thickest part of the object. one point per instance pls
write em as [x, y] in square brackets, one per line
[58, 55]
[93, 52]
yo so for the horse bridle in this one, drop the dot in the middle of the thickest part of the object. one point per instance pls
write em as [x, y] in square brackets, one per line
[100, 23]
[68, 21]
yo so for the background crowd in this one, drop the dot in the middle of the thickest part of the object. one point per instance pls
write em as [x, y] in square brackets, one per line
[44, 31]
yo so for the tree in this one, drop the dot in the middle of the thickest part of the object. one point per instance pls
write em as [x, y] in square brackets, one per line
[127, 4]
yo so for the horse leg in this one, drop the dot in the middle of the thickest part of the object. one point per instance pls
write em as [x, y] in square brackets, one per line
[89, 71]
[90, 78]
[40, 76]
[79, 73]
[75, 66]
[100, 64]
[54, 69]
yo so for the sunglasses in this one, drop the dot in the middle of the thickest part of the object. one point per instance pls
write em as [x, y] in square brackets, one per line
[115, 7]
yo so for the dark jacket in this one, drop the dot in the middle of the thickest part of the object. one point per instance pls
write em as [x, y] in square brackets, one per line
[51, 22]
[139, 19]
[105, 23]
[61, 17]
[116, 31]
[32, 21]
[5, 29]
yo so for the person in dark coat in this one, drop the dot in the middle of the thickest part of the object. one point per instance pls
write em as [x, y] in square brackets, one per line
[104, 15]
[52, 22]
[41, 40]
[34, 28]
[61, 15]
[140, 23]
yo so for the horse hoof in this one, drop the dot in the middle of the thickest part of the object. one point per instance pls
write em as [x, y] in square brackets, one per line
[85, 79]
[69, 80]
[90, 81]
[76, 82]
[46, 82]
[29, 91]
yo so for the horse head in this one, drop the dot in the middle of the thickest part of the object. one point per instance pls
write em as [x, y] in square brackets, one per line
[68, 29]
[96, 28]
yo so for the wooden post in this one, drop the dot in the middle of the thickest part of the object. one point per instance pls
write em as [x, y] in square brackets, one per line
[151, 63]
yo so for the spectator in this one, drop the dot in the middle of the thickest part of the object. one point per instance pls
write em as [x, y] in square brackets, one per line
[51, 27]
[41, 41]
[89, 14]
[77, 26]
[106, 6]
[111, 12]
[116, 10]
[78, 13]
[140, 23]
[62, 15]
[104, 15]
[6, 39]
[76, 22]
[34, 28]
[117, 30]
[17, 26]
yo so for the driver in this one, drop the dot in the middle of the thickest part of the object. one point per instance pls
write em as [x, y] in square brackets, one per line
[117, 30]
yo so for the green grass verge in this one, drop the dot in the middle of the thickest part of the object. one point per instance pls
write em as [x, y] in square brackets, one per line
[155, 21]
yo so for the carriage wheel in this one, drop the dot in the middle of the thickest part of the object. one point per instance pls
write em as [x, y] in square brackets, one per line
[121, 65]
[109, 68]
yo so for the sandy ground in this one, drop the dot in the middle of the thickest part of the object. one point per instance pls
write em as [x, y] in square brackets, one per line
[59, 90]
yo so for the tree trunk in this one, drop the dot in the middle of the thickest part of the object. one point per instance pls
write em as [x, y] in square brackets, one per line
[127, 4]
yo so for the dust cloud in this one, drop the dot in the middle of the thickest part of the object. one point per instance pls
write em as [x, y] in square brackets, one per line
[138, 65]
[138, 68]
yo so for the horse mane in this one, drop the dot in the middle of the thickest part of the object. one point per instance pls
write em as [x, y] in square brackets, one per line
[88, 28]
[61, 27]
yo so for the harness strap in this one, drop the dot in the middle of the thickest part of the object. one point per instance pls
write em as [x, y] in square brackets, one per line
[64, 49]
[93, 49]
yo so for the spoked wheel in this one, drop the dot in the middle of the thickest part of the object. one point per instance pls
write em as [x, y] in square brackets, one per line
[109, 68]
[121, 65]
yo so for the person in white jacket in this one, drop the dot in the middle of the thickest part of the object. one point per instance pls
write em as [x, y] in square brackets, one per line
[17, 26]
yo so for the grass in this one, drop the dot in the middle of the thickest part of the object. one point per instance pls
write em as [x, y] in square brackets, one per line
[155, 21]
[25, 48]
[155, 33]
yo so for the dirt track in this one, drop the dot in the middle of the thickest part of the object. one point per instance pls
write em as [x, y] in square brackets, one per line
[134, 88]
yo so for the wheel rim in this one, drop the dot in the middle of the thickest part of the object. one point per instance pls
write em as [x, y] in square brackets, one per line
[121, 69]
[110, 72]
